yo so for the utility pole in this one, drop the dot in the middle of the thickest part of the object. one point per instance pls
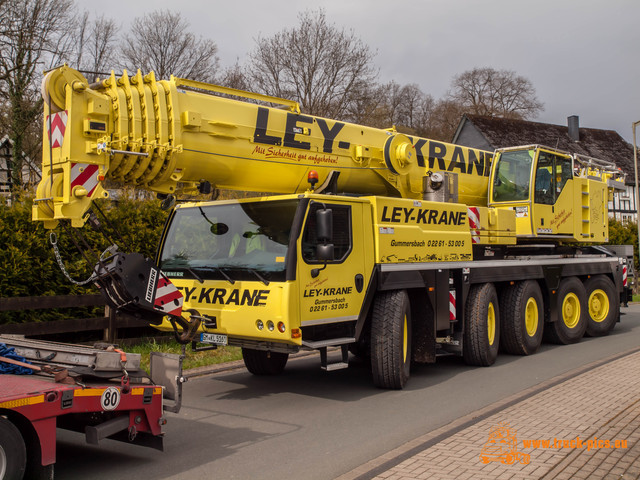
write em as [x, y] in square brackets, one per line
[637, 190]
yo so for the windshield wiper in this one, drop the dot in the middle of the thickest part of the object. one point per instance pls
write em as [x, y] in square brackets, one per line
[192, 272]
[260, 277]
[220, 271]
[227, 277]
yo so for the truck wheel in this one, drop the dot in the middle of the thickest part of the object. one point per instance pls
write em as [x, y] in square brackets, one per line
[391, 339]
[260, 362]
[522, 318]
[13, 453]
[603, 305]
[482, 326]
[572, 313]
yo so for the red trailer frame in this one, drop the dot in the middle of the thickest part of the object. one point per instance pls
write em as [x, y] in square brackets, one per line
[32, 407]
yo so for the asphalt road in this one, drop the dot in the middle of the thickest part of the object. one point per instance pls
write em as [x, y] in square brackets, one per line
[311, 424]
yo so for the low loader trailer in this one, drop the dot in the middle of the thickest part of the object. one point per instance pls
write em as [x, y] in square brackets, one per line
[100, 392]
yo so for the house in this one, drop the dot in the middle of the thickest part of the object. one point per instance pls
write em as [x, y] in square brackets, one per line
[490, 133]
[31, 173]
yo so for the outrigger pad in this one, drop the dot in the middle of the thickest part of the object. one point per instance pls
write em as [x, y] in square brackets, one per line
[135, 285]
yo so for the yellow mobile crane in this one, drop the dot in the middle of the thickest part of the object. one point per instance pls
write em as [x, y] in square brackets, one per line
[376, 242]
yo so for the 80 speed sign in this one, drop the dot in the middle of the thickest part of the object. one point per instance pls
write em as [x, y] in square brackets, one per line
[110, 399]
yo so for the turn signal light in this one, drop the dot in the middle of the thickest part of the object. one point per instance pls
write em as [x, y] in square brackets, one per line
[281, 327]
[296, 333]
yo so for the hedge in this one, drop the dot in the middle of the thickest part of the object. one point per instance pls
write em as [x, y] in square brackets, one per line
[28, 264]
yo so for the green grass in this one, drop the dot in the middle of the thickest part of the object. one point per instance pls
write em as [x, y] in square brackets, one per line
[636, 298]
[192, 360]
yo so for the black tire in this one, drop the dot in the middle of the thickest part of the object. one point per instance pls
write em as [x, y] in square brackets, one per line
[261, 362]
[603, 305]
[572, 313]
[391, 339]
[521, 318]
[13, 453]
[481, 337]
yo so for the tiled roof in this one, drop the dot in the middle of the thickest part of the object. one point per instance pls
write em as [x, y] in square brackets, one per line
[601, 144]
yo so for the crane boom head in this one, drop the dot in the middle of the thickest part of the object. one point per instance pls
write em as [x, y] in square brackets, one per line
[170, 136]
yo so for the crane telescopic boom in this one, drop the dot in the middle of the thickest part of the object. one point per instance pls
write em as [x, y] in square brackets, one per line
[170, 136]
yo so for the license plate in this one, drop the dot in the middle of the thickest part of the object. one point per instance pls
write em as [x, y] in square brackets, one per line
[213, 338]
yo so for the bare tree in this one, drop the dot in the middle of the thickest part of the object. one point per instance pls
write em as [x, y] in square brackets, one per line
[392, 100]
[33, 33]
[445, 118]
[500, 93]
[416, 109]
[325, 68]
[94, 44]
[161, 41]
[369, 108]
[407, 107]
[234, 77]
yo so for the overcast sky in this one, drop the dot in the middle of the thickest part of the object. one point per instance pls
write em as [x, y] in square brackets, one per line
[582, 56]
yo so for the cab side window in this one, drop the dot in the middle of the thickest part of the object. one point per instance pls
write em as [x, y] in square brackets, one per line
[342, 238]
[552, 173]
[544, 179]
[564, 172]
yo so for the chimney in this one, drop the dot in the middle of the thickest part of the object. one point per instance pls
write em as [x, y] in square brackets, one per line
[574, 127]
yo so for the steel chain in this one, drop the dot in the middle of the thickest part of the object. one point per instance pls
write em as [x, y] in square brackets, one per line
[53, 238]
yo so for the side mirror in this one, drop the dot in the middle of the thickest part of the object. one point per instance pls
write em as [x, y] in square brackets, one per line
[324, 225]
[324, 234]
[325, 252]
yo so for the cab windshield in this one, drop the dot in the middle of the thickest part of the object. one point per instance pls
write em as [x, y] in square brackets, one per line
[513, 175]
[240, 241]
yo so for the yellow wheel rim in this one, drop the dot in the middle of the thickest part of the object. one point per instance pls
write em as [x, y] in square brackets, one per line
[491, 323]
[531, 317]
[405, 341]
[598, 305]
[571, 310]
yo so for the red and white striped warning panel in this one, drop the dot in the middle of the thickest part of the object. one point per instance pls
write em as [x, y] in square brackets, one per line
[56, 125]
[168, 298]
[474, 223]
[85, 175]
[624, 275]
[452, 305]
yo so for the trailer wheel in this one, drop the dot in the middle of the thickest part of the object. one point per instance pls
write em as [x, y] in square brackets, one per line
[522, 318]
[572, 313]
[13, 453]
[261, 362]
[391, 339]
[482, 326]
[603, 305]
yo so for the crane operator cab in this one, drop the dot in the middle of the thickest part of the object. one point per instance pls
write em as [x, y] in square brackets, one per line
[543, 185]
